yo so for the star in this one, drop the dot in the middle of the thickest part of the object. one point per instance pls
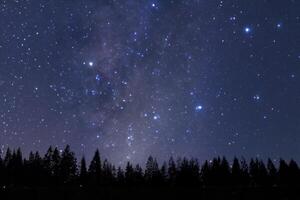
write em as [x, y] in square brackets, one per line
[256, 97]
[198, 108]
[156, 117]
[91, 64]
[279, 25]
[247, 30]
[98, 78]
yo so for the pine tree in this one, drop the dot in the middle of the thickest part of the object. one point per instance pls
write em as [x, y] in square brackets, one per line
[68, 168]
[245, 177]
[283, 173]
[172, 171]
[83, 172]
[294, 174]
[55, 166]
[224, 171]
[272, 173]
[138, 175]
[163, 172]
[120, 176]
[47, 160]
[152, 173]
[129, 174]
[205, 173]
[51, 166]
[16, 167]
[107, 173]
[7, 158]
[236, 172]
[95, 169]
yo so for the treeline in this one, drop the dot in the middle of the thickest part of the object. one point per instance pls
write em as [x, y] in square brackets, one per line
[61, 169]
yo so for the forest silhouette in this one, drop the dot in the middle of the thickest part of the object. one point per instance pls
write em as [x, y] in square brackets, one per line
[59, 175]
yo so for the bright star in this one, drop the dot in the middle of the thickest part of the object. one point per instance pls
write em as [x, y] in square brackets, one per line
[91, 64]
[98, 77]
[279, 25]
[156, 117]
[247, 30]
[198, 108]
[153, 5]
[256, 97]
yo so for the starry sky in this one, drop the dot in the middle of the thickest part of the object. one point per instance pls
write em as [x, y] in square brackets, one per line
[195, 78]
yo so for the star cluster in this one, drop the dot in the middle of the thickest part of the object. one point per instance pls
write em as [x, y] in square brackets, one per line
[175, 78]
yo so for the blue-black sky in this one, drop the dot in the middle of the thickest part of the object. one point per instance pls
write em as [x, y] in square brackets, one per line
[194, 78]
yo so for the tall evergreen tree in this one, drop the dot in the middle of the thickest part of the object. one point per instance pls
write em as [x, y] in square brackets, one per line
[272, 173]
[107, 173]
[294, 174]
[120, 176]
[7, 164]
[138, 175]
[205, 173]
[129, 174]
[245, 177]
[47, 161]
[83, 175]
[163, 172]
[224, 171]
[95, 169]
[172, 171]
[152, 172]
[68, 167]
[236, 172]
[283, 173]
[55, 166]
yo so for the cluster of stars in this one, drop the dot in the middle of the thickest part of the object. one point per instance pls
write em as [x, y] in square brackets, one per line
[180, 78]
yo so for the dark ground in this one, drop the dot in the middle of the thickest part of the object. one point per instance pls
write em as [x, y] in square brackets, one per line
[152, 193]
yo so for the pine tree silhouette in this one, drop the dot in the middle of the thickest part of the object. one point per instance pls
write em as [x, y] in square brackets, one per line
[59, 172]
[283, 173]
[172, 171]
[68, 167]
[108, 173]
[236, 172]
[83, 175]
[95, 169]
[152, 172]
[120, 176]
[293, 173]
[272, 173]
[129, 174]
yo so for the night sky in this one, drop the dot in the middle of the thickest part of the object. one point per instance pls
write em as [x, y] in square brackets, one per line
[196, 78]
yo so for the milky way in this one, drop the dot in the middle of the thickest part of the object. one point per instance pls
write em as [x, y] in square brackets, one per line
[191, 78]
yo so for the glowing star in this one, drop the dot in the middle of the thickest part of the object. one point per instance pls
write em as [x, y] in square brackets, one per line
[98, 77]
[256, 97]
[198, 108]
[153, 4]
[156, 117]
[247, 30]
[91, 64]
[279, 25]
